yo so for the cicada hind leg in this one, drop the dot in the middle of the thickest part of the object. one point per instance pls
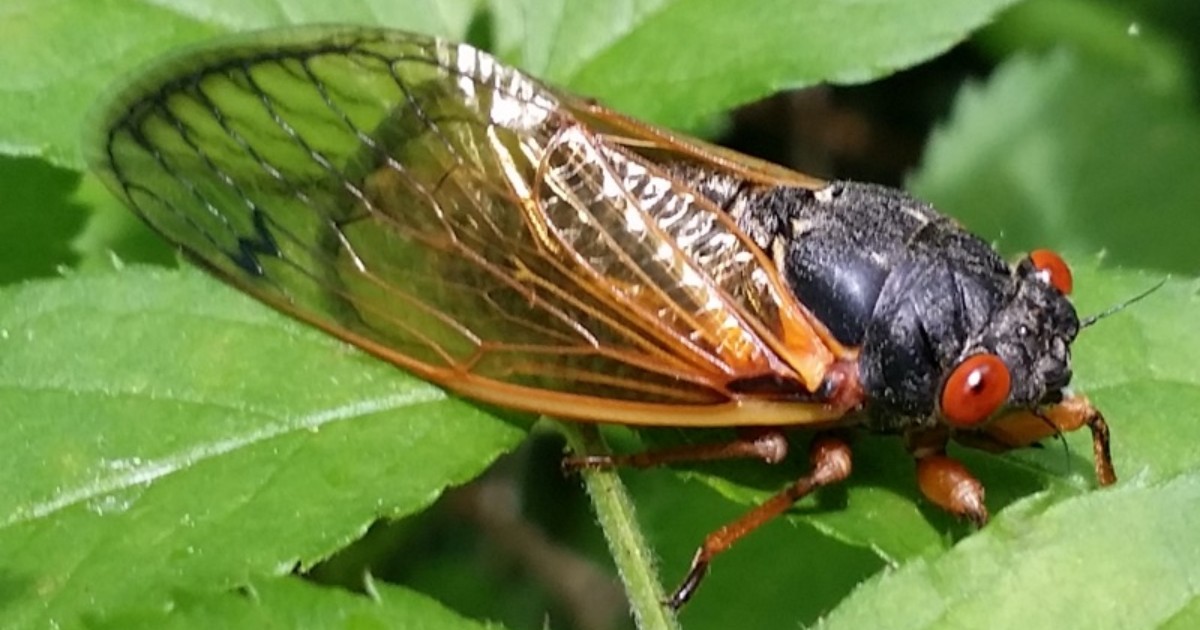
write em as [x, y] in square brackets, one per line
[829, 457]
[769, 445]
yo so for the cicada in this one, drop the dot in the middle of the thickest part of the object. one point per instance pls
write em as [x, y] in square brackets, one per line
[525, 247]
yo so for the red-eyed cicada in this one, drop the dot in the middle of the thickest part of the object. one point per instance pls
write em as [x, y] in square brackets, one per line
[528, 248]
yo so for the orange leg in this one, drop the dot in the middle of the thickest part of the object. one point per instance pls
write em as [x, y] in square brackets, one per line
[950, 486]
[1024, 427]
[830, 459]
[769, 446]
[944, 480]
[1076, 412]
[1101, 451]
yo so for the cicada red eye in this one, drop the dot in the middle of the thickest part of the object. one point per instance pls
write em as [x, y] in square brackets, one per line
[1053, 269]
[975, 390]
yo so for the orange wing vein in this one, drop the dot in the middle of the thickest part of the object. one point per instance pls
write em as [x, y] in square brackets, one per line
[452, 215]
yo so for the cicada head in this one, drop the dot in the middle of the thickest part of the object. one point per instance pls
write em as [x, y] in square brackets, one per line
[957, 339]
[1021, 356]
[1032, 334]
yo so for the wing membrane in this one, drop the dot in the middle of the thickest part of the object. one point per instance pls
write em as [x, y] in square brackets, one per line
[452, 215]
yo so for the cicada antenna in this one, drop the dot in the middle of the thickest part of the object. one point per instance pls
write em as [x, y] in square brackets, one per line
[1058, 435]
[1088, 321]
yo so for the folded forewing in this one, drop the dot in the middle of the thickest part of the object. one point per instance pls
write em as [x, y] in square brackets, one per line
[450, 214]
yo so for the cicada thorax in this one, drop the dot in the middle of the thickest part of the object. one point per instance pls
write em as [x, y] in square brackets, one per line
[947, 331]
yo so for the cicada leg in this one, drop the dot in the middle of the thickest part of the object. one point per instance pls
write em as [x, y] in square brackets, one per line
[831, 463]
[770, 446]
[830, 458]
[944, 480]
[1024, 427]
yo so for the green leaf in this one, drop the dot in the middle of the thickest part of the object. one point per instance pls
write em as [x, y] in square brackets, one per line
[37, 217]
[682, 61]
[166, 432]
[293, 603]
[1123, 558]
[1061, 150]
[1118, 35]
[114, 236]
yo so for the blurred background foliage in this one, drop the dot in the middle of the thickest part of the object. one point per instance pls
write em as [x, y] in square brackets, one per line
[1068, 123]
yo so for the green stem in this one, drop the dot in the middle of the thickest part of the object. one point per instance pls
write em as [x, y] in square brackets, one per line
[634, 559]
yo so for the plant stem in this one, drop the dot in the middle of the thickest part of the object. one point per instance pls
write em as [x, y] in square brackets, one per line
[634, 559]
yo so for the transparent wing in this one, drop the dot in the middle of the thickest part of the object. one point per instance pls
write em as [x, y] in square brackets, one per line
[456, 217]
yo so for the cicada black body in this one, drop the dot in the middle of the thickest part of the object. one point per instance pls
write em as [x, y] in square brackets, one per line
[528, 248]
